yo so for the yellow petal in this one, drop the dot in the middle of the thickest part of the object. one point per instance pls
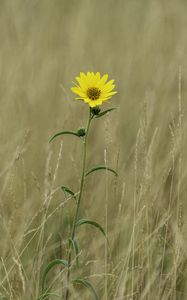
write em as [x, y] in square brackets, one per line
[82, 83]
[87, 100]
[107, 94]
[98, 76]
[103, 80]
[92, 104]
[78, 91]
[82, 75]
[91, 79]
[97, 102]
[109, 83]
[79, 99]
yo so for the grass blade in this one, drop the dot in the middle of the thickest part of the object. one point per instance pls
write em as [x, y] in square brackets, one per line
[50, 266]
[88, 285]
[3, 297]
[93, 223]
[101, 167]
[46, 295]
[62, 133]
[75, 247]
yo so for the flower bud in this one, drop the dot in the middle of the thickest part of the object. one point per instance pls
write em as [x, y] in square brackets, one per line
[81, 132]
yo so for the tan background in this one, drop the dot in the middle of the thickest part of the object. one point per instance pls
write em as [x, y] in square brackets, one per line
[142, 45]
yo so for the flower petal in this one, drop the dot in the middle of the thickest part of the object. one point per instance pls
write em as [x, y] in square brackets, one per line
[103, 80]
[93, 80]
[78, 91]
[107, 94]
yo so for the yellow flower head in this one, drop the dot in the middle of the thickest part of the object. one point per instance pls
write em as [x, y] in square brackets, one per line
[93, 89]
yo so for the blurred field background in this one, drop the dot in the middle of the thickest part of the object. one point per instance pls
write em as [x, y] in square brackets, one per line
[142, 45]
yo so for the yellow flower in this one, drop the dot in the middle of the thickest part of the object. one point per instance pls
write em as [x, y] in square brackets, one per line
[93, 89]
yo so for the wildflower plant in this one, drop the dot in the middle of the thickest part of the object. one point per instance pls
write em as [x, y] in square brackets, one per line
[94, 90]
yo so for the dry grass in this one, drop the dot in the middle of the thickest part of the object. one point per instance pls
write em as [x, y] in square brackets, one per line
[142, 44]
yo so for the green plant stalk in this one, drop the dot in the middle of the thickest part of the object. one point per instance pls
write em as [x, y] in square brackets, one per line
[78, 203]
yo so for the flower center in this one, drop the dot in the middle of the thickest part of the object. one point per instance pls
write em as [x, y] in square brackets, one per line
[93, 93]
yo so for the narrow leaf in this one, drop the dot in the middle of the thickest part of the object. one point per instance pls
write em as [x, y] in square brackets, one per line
[47, 295]
[105, 112]
[75, 247]
[88, 285]
[50, 266]
[3, 297]
[66, 191]
[101, 167]
[93, 223]
[63, 132]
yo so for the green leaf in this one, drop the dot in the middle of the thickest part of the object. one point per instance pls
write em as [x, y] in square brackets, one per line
[46, 295]
[3, 297]
[93, 223]
[50, 266]
[75, 246]
[66, 191]
[101, 167]
[63, 132]
[88, 285]
[105, 112]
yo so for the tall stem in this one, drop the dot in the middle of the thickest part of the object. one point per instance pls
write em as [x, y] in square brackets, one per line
[78, 203]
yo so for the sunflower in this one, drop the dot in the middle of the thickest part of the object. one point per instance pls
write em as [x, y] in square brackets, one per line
[93, 89]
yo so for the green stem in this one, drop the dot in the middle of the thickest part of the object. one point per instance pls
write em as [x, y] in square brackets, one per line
[78, 203]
